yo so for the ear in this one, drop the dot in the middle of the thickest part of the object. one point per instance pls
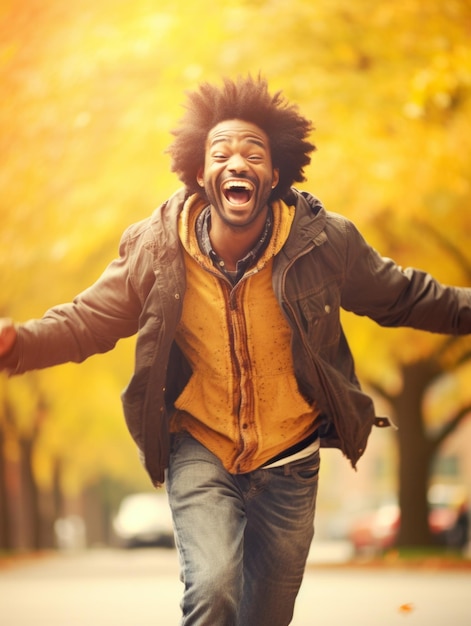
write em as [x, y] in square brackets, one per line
[275, 177]
[199, 177]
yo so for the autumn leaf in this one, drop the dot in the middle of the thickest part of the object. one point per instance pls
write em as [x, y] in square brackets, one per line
[406, 608]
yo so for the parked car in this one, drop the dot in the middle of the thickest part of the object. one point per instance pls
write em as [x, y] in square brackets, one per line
[144, 519]
[376, 530]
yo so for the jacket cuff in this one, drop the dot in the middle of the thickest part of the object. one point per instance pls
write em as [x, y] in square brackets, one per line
[10, 361]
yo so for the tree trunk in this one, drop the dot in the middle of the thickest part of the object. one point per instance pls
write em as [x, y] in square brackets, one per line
[30, 497]
[57, 495]
[415, 455]
[6, 540]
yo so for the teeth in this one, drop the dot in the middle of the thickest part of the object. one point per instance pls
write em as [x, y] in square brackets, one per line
[240, 184]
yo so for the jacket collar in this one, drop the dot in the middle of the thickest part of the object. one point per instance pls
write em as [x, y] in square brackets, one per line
[309, 223]
[308, 226]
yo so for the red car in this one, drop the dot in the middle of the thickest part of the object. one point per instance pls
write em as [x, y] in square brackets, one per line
[376, 530]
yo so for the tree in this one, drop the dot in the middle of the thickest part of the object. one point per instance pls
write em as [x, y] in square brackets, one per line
[417, 444]
[6, 536]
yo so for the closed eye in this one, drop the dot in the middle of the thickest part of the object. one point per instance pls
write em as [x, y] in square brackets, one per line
[255, 158]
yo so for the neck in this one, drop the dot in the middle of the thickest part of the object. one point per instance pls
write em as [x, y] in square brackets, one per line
[232, 243]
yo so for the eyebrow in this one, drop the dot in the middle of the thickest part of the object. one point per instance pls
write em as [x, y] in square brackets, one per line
[225, 138]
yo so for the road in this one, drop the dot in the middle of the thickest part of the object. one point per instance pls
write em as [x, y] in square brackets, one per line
[141, 588]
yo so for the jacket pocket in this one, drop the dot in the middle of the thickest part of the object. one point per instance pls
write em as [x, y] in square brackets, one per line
[319, 316]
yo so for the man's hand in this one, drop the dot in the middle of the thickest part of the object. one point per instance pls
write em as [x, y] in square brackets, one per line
[8, 336]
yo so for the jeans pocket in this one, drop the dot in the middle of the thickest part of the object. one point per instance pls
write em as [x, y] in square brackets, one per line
[305, 470]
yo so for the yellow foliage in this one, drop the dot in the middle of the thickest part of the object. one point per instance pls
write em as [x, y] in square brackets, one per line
[91, 91]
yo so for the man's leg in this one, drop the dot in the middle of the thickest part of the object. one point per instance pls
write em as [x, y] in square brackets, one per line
[280, 505]
[209, 523]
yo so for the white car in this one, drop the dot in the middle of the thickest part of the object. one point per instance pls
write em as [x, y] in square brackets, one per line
[144, 519]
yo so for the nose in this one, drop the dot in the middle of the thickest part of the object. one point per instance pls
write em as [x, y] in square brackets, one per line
[237, 163]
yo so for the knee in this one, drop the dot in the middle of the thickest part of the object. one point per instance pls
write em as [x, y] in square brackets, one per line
[212, 594]
[217, 583]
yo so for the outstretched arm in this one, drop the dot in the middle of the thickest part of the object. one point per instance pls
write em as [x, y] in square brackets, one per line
[377, 287]
[92, 323]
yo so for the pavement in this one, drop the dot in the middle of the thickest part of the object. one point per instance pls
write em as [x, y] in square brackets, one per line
[105, 587]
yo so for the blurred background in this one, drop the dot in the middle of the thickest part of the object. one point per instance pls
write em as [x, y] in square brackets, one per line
[90, 92]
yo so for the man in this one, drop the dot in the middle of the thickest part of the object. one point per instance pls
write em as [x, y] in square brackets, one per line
[234, 286]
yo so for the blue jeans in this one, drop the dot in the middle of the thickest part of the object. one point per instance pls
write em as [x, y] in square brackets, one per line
[243, 540]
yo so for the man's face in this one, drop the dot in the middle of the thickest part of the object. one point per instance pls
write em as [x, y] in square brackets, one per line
[238, 175]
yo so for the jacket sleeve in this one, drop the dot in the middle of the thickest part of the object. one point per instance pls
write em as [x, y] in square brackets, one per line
[93, 323]
[377, 287]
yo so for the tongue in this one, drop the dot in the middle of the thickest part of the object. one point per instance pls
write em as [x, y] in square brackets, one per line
[238, 197]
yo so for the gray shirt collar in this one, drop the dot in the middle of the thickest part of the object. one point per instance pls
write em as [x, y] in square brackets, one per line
[203, 226]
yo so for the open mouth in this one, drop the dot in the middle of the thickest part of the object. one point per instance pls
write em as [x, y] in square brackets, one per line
[238, 191]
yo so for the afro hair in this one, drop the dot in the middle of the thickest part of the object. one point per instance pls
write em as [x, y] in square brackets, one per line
[247, 99]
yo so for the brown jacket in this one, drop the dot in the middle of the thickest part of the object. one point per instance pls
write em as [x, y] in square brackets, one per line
[324, 265]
